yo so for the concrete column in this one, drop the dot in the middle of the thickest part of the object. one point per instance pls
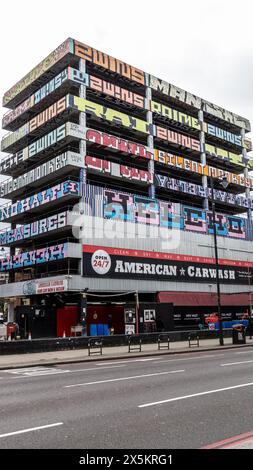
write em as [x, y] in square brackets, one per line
[11, 314]
[203, 155]
[151, 165]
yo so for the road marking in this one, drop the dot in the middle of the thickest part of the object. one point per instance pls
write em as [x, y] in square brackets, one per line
[194, 395]
[126, 361]
[244, 352]
[231, 440]
[235, 363]
[30, 430]
[190, 358]
[124, 378]
[54, 372]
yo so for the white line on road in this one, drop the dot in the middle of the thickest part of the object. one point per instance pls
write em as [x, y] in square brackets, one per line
[194, 395]
[36, 374]
[244, 352]
[124, 378]
[235, 363]
[30, 430]
[190, 358]
[126, 361]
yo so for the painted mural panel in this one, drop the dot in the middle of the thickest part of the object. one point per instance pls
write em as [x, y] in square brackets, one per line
[182, 163]
[119, 205]
[35, 257]
[236, 227]
[115, 143]
[36, 200]
[173, 184]
[110, 63]
[36, 122]
[183, 96]
[37, 71]
[42, 144]
[194, 219]
[38, 227]
[220, 223]
[40, 172]
[175, 138]
[118, 171]
[111, 115]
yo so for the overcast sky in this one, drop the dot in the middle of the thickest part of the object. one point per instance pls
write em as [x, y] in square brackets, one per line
[203, 46]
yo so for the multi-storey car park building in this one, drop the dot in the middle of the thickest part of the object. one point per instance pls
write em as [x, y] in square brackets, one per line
[109, 195]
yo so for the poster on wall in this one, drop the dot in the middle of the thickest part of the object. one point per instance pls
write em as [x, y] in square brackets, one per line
[129, 329]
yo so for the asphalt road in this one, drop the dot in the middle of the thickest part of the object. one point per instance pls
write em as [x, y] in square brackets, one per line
[183, 401]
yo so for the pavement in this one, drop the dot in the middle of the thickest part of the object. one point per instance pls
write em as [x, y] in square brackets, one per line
[113, 353]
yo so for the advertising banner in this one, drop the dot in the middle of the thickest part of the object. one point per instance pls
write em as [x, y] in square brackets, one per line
[104, 262]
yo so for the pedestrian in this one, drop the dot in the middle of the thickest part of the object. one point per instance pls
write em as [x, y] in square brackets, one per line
[250, 327]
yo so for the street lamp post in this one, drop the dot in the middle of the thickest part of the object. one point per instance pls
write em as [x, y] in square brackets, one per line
[225, 184]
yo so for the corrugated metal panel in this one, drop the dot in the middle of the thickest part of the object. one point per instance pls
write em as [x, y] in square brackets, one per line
[98, 284]
[181, 242]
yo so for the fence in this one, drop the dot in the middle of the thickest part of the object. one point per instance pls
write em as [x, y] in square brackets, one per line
[81, 342]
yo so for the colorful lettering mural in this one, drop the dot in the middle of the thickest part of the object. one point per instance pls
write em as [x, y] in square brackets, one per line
[176, 138]
[48, 224]
[40, 172]
[13, 137]
[34, 99]
[175, 115]
[235, 139]
[58, 191]
[213, 151]
[198, 220]
[183, 96]
[31, 258]
[192, 122]
[173, 184]
[117, 92]
[118, 171]
[36, 122]
[128, 207]
[48, 113]
[103, 60]
[40, 145]
[111, 141]
[15, 113]
[36, 72]
[182, 163]
[115, 117]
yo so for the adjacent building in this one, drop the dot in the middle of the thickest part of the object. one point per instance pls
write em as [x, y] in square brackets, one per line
[110, 183]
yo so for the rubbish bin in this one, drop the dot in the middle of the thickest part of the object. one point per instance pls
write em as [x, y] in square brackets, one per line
[239, 334]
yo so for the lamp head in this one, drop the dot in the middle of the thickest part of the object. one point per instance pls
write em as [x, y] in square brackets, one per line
[224, 182]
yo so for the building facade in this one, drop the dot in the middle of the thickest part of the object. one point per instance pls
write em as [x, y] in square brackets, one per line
[111, 176]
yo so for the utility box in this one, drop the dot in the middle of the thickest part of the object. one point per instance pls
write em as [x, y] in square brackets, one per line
[239, 334]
